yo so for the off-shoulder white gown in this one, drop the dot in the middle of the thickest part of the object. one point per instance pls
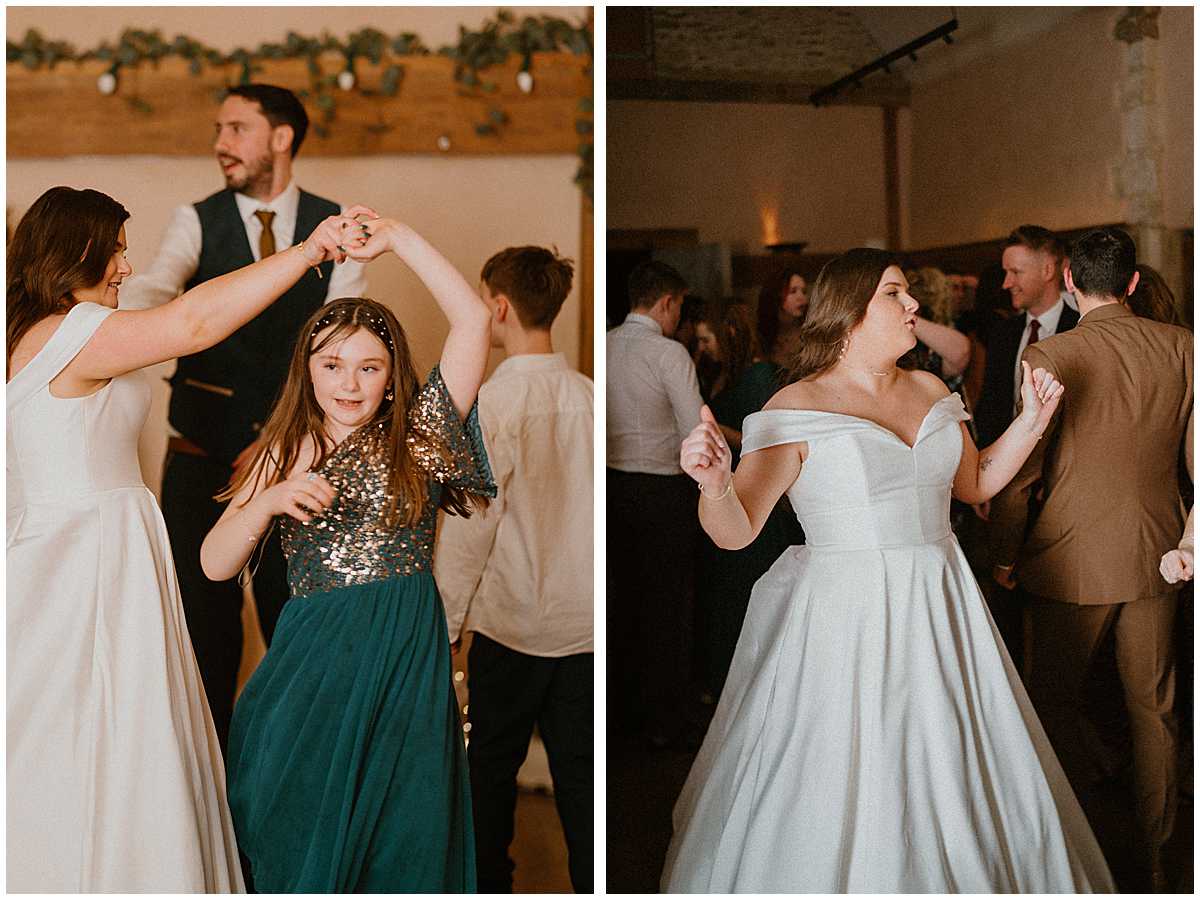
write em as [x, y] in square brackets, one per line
[873, 735]
[115, 780]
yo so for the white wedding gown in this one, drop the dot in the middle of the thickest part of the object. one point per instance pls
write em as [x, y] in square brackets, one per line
[873, 735]
[115, 780]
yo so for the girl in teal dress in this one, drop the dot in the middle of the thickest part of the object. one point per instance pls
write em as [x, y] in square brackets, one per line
[346, 765]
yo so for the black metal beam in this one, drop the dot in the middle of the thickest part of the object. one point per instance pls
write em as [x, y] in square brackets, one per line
[942, 32]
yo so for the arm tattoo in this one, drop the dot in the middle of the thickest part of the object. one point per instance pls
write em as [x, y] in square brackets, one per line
[985, 463]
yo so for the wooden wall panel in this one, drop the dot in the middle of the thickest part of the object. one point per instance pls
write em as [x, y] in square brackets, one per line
[60, 112]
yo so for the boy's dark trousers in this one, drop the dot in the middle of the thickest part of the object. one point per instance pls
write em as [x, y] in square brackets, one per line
[510, 693]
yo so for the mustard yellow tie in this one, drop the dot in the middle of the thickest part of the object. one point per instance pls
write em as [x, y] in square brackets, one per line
[266, 243]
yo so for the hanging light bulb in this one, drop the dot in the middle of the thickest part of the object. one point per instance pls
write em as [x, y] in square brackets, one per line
[107, 83]
[525, 81]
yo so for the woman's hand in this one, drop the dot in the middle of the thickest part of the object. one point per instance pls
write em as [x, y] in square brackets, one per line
[704, 455]
[382, 235]
[1040, 394]
[337, 236]
[1177, 565]
[302, 496]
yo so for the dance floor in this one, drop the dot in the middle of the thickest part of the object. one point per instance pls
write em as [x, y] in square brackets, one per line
[539, 850]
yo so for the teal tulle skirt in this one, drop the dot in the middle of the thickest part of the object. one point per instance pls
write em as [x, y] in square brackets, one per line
[346, 768]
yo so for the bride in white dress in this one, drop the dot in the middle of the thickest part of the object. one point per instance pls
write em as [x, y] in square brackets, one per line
[873, 735]
[114, 775]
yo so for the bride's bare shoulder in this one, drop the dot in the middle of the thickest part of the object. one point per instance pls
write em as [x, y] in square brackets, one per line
[797, 395]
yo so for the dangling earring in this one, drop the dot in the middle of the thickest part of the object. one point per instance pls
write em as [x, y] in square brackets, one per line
[388, 394]
[845, 347]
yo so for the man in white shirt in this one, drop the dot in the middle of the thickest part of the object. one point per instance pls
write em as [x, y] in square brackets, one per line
[653, 402]
[519, 575]
[221, 397]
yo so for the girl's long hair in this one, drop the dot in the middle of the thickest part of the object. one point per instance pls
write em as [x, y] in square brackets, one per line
[1153, 299]
[737, 340]
[770, 298]
[297, 415]
[837, 304]
[64, 243]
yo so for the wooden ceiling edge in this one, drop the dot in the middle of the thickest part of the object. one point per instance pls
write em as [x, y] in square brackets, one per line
[748, 92]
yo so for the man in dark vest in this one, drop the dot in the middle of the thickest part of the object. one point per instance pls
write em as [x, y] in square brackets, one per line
[220, 398]
[1033, 270]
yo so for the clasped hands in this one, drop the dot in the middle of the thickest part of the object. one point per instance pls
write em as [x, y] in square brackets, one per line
[357, 233]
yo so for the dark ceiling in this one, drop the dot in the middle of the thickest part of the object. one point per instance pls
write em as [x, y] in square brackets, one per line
[785, 54]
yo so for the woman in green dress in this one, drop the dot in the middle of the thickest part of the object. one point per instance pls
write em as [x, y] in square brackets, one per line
[346, 768]
[742, 384]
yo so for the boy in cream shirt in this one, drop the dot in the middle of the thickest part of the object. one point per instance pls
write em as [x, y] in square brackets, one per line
[519, 575]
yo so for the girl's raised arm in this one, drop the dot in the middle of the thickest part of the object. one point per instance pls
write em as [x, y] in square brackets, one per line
[465, 353]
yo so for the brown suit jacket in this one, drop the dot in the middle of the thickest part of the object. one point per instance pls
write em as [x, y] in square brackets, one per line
[1109, 463]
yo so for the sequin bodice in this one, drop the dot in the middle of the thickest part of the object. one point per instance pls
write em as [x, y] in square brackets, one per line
[348, 543]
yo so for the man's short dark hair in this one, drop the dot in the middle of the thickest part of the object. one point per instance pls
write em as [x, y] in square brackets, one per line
[652, 279]
[1102, 262]
[1036, 238]
[694, 309]
[279, 105]
[535, 280]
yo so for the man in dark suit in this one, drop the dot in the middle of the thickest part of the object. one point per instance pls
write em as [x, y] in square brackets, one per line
[1109, 468]
[1033, 260]
[220, 398]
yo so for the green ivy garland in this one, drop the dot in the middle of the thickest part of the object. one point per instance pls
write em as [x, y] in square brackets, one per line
[475, 52]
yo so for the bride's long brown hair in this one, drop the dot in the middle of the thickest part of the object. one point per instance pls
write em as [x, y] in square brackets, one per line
[297, 415]
[838, 304]
[62, 244]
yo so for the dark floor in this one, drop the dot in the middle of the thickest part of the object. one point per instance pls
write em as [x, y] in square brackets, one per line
[643, 784]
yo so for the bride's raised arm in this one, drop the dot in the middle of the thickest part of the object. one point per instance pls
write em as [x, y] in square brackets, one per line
[210, 312]
[984, 473]
[733, 507]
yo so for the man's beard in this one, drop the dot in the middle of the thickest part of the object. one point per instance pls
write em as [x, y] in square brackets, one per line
[257, 173]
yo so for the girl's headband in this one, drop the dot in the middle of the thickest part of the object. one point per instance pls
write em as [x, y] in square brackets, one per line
[368, 317]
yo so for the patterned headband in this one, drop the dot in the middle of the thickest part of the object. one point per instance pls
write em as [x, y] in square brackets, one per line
[368, 317]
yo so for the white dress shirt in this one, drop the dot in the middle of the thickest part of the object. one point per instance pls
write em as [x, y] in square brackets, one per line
[1047, 325]
[179, 254]
[521, 572]
[653, 399]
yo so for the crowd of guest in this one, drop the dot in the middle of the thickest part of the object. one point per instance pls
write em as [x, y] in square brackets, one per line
[677, 602]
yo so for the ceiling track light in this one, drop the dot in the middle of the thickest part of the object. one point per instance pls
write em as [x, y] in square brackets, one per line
[855, 79]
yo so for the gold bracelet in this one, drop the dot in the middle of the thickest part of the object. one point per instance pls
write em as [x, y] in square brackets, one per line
[316, 266]
[724, 493]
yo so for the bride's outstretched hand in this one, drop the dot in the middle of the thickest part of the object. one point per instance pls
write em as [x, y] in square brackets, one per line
[704, 455]
[1040, 394]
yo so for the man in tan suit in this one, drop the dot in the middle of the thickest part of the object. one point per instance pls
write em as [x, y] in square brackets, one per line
[1108, 468]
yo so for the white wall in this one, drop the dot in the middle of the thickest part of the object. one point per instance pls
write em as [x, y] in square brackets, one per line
[726, 168]
[1032, 133]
